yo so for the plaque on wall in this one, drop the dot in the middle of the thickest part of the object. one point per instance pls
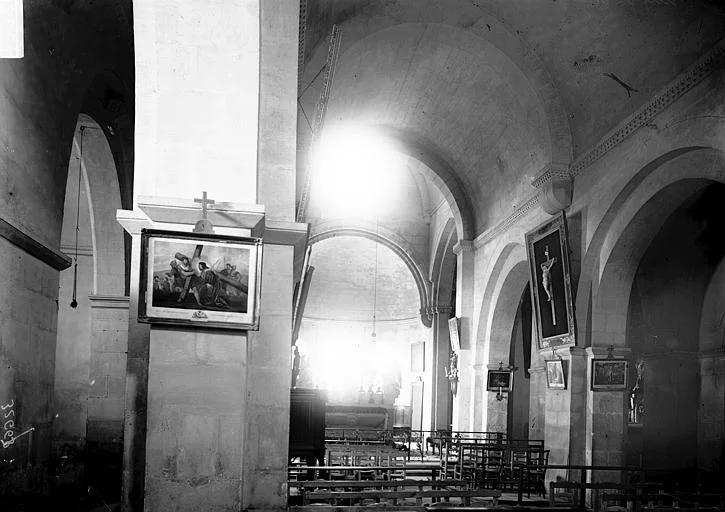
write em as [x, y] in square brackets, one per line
[548, 254]
[200, 279]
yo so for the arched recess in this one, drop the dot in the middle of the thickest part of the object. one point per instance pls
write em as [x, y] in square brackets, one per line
[90, 359]
[615, 259]
[394, 243]
[507, 299]
[110, 103]
[443, 277]
[590, 267]
[631, 223]
[509, 276]
[439, 172]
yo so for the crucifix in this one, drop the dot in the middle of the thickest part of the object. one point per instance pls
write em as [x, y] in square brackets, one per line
[203, 225]
[546, 282]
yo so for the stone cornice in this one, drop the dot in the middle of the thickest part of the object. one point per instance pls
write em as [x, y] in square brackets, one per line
[109, 301]
[48, 255]
[554, 170]
[509, 221]
[685, 81]
[463, 246]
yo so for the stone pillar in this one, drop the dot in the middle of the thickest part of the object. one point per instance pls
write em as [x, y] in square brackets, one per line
[711, 413]
[465, 282]
[440, 396]
[269, 349]
[606, 417]
[480, 372]
[215, 111]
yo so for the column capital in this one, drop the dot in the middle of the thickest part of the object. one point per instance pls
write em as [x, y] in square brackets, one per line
[463, 247]
[441, 309]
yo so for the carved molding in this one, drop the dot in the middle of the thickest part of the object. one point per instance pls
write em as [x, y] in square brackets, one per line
[509, 221]
[695, 74]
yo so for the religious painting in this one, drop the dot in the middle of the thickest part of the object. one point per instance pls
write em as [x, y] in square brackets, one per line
[609, 374]
[548, 254]
[556, 374]
[499, 380]
[200, 279]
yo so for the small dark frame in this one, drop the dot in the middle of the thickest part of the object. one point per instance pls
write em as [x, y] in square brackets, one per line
[200, 280]
[609, 374]
[500, 380]
[556, 374]
[553, 311]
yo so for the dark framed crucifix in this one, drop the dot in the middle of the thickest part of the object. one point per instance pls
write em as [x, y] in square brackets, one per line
[200, 279]
[548, 254]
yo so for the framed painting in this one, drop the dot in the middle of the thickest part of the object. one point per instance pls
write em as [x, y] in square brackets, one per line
[499, 380]
[609, 374]
[556, 374]
[548, 254]
[199, 279]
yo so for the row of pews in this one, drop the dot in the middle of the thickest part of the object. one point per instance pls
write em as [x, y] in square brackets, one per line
[468, 472]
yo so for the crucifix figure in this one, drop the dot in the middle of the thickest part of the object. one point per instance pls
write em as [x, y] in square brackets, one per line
[546, 282]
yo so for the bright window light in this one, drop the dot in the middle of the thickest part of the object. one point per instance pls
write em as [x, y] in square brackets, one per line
[356, 173]
[11, 29]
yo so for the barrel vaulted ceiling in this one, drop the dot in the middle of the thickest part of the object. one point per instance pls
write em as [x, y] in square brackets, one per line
[499, 89]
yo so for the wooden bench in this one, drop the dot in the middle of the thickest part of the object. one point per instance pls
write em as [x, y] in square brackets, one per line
[663, 501]
[357, 492]
[423, 470]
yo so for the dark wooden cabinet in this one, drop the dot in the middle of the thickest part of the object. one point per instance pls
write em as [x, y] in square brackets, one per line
[307, 425]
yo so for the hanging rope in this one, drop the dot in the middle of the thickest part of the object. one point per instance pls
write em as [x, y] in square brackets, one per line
[74, 302]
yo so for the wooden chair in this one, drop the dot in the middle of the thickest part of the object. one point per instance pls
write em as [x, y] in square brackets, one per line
[536, 462]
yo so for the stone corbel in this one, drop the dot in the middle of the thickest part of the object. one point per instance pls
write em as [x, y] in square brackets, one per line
[554, 183]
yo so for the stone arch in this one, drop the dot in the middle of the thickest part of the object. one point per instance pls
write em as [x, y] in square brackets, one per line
[442, 270]
[626, 231]
[509, 275]
[439, 172]
[394, 243]
[104, 198]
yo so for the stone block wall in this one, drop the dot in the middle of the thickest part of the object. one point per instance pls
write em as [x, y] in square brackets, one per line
[28, 318]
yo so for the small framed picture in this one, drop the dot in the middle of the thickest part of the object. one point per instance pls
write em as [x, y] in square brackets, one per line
[499, 380]
[556, 374]
[200, 279]
[609, 374]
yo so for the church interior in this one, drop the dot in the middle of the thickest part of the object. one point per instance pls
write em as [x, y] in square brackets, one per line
[338, 254]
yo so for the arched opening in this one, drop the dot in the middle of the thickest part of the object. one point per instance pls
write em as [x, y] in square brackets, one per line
[674, 395]
[520, 360]
[92, 318]
[444, 297]
[509, 412]
[359, 333]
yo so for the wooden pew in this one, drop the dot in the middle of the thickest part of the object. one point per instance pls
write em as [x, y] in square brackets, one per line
[356, 492]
